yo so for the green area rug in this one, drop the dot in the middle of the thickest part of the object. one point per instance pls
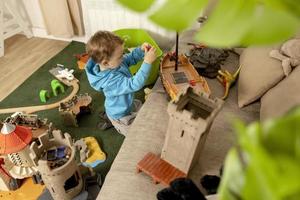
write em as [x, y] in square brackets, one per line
[27, 94]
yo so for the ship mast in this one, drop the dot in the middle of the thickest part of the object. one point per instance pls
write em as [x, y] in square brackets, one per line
[176, 53]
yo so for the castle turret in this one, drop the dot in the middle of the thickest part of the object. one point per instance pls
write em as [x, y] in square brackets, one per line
[190, 120]
[60, 173]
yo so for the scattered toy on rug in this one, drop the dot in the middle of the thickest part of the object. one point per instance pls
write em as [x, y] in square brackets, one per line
[73, 109]
[96, 155]
[66, 73]
[82, 60]
[181, 189]
[288, 54]
[227, 79]
[207, 60]
[57, 87]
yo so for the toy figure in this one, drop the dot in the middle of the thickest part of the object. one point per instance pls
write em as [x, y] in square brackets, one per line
[227, 79]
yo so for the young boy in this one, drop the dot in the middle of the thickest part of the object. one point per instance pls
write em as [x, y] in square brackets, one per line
[108, 71]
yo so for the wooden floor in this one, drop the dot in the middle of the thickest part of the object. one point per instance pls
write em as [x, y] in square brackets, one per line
[23, 57]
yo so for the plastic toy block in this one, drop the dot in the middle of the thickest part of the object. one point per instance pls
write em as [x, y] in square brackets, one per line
[160, 170]
[56, 86]
[44, 96]
[96, 155]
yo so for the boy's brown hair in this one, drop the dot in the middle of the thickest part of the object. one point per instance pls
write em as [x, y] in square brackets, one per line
[102, 45]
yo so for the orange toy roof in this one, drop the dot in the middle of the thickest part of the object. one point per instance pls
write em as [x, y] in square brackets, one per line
[14, 138]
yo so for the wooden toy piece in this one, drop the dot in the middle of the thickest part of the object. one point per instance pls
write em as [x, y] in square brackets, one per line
[44, 96]
[176, 81]
[190, 119]
[56, 86]
[160, 170]
[78, 105]
[227, 80]
[31, 109]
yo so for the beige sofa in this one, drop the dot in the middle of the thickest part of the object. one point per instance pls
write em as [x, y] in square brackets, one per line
[147, 134]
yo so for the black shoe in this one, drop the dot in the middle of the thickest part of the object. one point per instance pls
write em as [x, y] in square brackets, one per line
[186, 189]
[104, 123]
[210, 183]
[167, 194]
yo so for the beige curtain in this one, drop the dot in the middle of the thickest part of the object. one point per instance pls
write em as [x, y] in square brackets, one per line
[63, 18]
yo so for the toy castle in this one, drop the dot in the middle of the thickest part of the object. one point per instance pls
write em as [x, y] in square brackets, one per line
[190, 120]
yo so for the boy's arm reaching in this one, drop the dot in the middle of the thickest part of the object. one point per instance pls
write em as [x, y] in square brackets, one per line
[133, 57]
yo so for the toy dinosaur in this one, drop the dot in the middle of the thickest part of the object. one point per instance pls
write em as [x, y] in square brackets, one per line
[227, 79]
[289, 54]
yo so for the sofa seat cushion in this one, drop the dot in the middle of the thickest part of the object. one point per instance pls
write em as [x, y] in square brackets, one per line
[281, 98]
[146, 134]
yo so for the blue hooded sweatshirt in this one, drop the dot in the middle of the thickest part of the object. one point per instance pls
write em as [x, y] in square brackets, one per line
[118, 85]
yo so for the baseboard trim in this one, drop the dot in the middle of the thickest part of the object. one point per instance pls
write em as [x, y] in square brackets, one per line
[42, 33]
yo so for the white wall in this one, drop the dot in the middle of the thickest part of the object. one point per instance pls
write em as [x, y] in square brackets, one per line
[98, 14]
[33, 12]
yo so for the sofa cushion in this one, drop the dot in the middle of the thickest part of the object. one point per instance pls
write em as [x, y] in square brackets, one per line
[259, 73]
[146, 134]
[283, 97]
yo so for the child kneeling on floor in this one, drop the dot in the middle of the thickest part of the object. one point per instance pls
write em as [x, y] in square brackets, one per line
[108, 71]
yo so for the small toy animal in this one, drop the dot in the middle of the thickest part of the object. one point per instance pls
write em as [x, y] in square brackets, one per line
[289, 54]
[227, 79]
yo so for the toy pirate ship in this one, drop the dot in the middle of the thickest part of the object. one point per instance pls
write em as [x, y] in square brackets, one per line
[177, 73]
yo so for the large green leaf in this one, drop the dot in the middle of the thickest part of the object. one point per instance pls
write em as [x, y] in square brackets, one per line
[178, 14]
[232, 180]
[228, 23]
[281, 136]
[139, 6]
[291, 6]
[269, 26]
[267, 166]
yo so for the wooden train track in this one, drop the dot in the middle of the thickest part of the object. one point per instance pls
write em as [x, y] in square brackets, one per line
[32, 109]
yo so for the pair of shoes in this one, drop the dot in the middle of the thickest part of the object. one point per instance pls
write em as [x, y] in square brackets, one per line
[104, 123]
[181, 189]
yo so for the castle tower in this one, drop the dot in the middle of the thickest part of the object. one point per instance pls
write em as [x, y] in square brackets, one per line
[190, 120]
[62, 177]
[14, 142]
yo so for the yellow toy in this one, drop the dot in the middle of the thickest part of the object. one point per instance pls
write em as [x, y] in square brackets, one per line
[96, 155]
[227, 79]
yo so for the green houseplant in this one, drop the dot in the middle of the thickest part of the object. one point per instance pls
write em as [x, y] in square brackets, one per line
[232, 22]
[265, 162]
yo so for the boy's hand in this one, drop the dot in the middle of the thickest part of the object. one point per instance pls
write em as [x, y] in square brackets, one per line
[150, 55]
[146, 47]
